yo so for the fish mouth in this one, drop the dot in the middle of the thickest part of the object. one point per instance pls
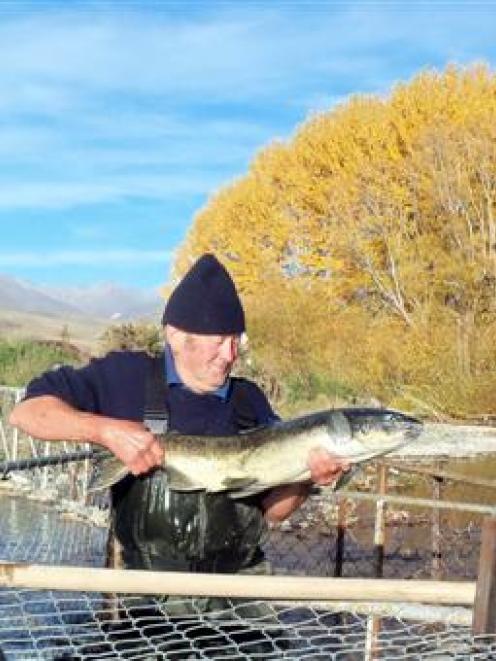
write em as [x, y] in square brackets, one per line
[413, 430]
[385, 422]
[408, 425]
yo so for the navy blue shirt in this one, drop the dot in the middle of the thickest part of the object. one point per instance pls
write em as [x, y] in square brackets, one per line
[115, 386]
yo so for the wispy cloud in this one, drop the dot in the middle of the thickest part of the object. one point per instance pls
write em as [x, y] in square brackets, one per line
[233, 53]
[46, 259]
[60, 194]
[71, 61]
[96, 102]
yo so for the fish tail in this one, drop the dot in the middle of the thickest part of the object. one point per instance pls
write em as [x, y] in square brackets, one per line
[106, 472]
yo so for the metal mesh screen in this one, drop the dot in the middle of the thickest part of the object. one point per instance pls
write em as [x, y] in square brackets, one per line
[78, 626]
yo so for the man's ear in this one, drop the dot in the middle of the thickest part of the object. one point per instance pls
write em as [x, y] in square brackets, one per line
[172, 336]
[168, 333]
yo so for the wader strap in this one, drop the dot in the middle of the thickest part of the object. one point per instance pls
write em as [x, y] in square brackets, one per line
[245, 415]
[156, 417]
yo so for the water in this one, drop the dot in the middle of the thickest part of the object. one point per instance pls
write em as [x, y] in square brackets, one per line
[32, 532]
[477, 467]
[35, 532]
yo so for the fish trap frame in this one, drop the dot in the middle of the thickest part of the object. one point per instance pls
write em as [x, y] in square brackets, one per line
[351, 535]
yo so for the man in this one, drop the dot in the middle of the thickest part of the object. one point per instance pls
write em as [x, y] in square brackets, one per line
[105, 402]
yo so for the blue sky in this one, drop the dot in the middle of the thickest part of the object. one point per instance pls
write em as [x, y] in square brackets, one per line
[119, 119]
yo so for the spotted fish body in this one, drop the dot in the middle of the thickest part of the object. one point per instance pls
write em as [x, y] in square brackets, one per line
[263, 458]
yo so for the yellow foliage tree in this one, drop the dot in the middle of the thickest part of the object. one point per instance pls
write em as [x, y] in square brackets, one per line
[378, 215]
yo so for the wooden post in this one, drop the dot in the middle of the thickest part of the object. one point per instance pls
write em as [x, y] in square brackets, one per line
[374, 622]
[372, 648]
[45, 478]
[113, 560]
[485, 595]
[34, 449]
[342, 511]
[85, 498]
[15, 433]
[436, 529]
[5, 446]
[380, 521]
[72, 473]
[15, 444]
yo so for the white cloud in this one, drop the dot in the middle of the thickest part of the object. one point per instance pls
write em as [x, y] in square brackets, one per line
[64, 59]
[47, 259]
[232, 55]
[99, 106]
[129, 146]
[61, 194]
[143, 53]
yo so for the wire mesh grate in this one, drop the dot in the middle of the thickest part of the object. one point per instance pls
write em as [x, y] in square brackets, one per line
[61, 625]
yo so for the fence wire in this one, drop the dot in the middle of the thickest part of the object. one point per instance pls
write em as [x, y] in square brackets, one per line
[82, 626]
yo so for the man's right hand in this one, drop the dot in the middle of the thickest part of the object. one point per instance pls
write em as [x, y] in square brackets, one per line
[132, 443]
[49, 418]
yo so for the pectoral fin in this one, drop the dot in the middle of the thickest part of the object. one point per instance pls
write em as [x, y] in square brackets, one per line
[237, 483]
[179, 481]
[106, 473]
[247, 492]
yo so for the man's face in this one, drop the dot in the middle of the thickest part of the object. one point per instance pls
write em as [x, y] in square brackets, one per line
[203, 361]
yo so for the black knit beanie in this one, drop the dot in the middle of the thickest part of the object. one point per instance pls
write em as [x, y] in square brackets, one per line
[206, 301]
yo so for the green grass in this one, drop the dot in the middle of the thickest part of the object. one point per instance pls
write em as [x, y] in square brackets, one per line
[21, 360]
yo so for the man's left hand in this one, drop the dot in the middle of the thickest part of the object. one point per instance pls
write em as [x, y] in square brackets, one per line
[326, 468]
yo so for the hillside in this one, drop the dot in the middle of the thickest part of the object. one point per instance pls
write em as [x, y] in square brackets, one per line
[83, 332]
[102, 300]
[80, 314]
[25, 297]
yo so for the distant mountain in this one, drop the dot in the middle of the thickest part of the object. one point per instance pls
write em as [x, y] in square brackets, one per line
[24, 297]
[81, 331]
[104, 301]
[111, 301]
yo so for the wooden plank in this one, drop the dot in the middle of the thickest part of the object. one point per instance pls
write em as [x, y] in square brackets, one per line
[485, 601]
[442, 474]
[316, 588]
[413, 502]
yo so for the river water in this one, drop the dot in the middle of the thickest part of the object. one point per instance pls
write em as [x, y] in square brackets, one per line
[35, 532]
[31, 531]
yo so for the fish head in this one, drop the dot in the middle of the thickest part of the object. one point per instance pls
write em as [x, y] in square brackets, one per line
[373, 432]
